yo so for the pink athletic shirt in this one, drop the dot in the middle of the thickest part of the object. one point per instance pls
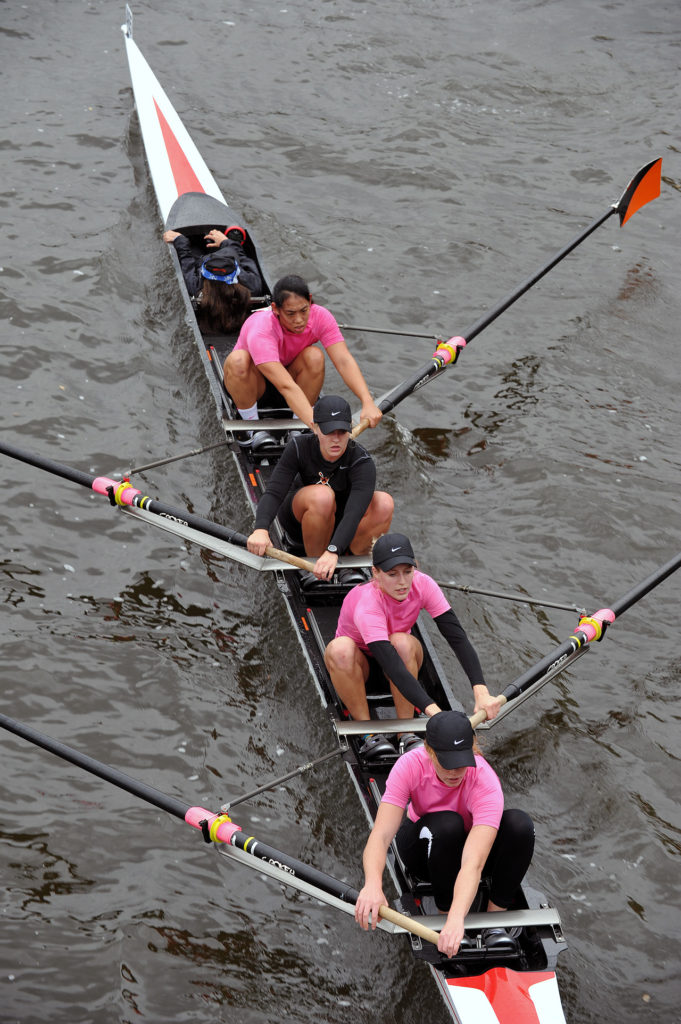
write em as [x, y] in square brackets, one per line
[368, 614]
[412, 783]
[267, 341]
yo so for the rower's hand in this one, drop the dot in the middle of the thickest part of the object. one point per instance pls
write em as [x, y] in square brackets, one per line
[170, 236]
[450, 937]
[214, 239]
[325, 566]
[258, 541]
[371, 412]
[484, 701]
[369, 900]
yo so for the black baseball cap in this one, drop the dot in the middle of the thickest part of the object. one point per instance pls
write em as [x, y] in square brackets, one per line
[332, 413]
[450, 735]
[392, 549]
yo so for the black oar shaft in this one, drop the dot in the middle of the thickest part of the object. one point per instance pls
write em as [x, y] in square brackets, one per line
[56, 468]
[260, 851]
[197, 522]
[655, 578]
[643, 187]
[584, 635]
[436, 365]
[520, 684]
[103, 771]
[186, 812]
[513, 296]
[134, 497]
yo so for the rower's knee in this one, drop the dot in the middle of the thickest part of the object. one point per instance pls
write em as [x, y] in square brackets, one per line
[340, 655]
[407, 646]
[384, 506]
[312, 359]
[319, 501]
[238, 367]
[519, 824]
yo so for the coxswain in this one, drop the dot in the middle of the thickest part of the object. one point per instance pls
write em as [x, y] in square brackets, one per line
[221, 283]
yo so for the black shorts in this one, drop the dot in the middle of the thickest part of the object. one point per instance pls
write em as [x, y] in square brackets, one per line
[273, 404]
[289, 522]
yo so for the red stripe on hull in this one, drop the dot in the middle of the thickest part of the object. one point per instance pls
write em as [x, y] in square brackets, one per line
[508, 992]
[183, 173]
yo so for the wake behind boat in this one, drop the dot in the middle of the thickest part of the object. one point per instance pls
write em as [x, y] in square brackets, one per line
[477, 983]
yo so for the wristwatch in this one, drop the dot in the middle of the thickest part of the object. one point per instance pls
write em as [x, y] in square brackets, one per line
[332, 549]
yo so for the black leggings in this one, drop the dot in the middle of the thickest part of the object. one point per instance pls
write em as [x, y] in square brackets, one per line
[431, 848]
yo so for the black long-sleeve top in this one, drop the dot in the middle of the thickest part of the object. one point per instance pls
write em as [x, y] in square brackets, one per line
[352, 478]
[408, 685]
[191, 265]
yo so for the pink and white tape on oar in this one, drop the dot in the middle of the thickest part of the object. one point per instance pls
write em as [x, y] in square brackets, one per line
[446, 353]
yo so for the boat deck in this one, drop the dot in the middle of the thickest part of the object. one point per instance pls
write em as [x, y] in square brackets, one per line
[314, 615]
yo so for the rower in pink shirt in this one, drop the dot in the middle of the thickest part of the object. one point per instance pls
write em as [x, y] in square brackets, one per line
[375, 621]
[277, 361]
[456, 832]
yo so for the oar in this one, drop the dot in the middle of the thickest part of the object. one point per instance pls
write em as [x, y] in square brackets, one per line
[121, 493]
[219, 828]
[643, 187]
[389, 330]
[589, 628]
[465, 588]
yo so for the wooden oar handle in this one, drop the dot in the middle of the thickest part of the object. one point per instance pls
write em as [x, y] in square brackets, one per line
[286, 556]
[480, 716]
[409, 924]
[360, 428]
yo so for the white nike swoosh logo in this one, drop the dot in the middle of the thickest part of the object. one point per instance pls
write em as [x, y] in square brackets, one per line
[396, 549]
[456, 742]
[336, 413]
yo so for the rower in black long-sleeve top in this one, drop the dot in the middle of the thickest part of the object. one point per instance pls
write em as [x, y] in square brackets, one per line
[322, 490]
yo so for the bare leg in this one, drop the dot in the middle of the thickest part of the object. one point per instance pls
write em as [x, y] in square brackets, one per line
[243, 380]
[314, 507]
[349, 671]
[374, 523]
[307, 370]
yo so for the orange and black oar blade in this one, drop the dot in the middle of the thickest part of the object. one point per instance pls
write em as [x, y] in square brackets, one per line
[642, 189]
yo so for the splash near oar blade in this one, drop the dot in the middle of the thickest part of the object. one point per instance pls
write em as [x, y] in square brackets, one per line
[643, 188]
